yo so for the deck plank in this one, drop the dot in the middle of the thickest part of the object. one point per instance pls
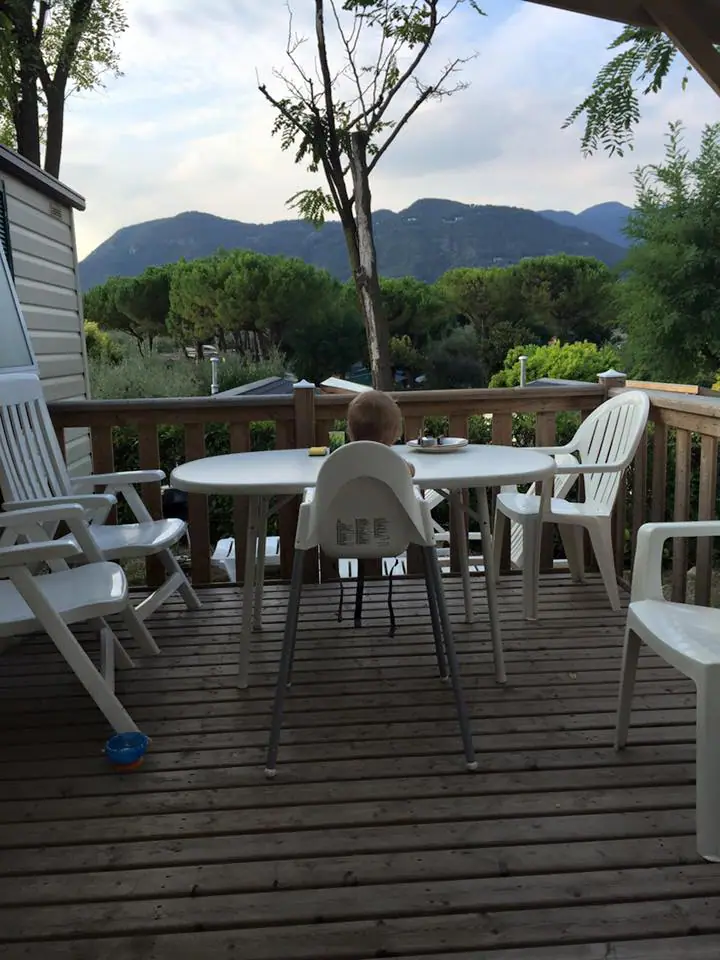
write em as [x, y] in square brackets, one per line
[373, 842]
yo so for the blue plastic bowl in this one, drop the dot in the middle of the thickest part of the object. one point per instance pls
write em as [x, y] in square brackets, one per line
[126, 749]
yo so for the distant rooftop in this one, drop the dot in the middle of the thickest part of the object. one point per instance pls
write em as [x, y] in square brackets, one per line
[267, 387]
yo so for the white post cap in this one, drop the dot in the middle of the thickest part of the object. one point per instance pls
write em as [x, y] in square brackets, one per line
[612, 375]
[303, 385]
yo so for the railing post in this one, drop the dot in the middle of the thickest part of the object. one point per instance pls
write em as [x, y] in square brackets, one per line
[612, 380]
[304, 399]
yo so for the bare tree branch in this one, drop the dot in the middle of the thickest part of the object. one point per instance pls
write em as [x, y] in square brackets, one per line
[426, 93]
[350, 48]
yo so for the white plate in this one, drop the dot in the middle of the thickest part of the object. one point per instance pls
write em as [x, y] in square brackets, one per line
[449, 445]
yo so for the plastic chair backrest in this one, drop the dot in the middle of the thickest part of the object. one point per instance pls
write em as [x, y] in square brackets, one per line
[31, 462]
[364, 505]
[611, 435]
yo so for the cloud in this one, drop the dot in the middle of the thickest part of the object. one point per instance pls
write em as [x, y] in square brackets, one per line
[185, 127]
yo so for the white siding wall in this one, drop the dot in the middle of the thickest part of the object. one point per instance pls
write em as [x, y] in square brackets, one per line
[47, 283]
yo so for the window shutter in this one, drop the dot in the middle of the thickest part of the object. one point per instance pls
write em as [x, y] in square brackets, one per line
[5, 228]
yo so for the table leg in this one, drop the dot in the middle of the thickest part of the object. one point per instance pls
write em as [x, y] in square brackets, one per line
[488, 548]
[248, 589]
[460, 533]
[260, 564]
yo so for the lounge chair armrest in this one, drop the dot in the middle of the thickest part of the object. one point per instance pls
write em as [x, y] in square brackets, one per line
[647, 567]
[96, 503]
[25, 554]
[555, 451]
[122, 479]
[582, 468]
[20, 514]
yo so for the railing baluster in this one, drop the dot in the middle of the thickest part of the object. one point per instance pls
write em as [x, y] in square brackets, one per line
[681, 511]
[706, 511]
[198, 512]
[149, 459]
[103, 457]
[659, 473]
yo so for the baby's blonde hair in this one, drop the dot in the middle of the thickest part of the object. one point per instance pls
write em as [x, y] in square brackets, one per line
[374, 415]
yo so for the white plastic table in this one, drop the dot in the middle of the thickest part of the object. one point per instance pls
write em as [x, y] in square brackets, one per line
[286, 473]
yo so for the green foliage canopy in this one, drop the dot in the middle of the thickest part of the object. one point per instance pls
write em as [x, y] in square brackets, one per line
[669, 303]
[558, 361]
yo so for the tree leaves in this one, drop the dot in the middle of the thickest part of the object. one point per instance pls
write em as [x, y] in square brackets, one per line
[56, 48]
[669, 301]
[612, 108]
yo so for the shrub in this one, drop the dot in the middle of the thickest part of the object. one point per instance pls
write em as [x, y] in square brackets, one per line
[150, 377]
[100, 346]
[562, 361]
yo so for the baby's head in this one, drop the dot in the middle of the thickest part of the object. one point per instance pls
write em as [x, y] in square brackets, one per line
[374, 415]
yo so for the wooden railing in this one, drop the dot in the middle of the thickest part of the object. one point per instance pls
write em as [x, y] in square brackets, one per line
[300, 421]
[674, 477]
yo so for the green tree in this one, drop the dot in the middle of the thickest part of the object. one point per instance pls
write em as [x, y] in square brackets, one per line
[49, 50]
[560, 361]
[296, 307]
[492, 301]
[415, 309]
[100, 305]
[196, 296]
[669, 304]
[455, 361]
[571, 296]
[145, 300]
[336, 115]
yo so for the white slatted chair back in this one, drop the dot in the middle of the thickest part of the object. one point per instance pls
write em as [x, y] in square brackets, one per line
[32, 466]
[610, 436]
[364, 505]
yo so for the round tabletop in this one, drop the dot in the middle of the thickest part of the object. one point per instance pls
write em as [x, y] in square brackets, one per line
[269, 472]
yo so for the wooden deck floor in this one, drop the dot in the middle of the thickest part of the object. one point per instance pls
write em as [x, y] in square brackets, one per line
[373, 841]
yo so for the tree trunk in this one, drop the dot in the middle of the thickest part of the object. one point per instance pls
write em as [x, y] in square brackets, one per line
[55, 125]
[364, 264]
[24, 103]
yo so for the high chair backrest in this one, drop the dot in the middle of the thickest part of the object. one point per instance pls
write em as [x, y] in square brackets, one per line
[31, 463]
[610, 436]
[364, 505]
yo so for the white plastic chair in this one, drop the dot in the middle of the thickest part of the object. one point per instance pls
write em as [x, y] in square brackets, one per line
[603, 448]
[688, 638]
[364, 506]
[33, 473]
[51, 601]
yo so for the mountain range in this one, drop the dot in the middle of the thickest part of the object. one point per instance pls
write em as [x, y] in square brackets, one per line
[428, 238]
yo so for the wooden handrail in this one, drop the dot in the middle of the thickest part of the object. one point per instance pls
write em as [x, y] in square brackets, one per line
[309, 416]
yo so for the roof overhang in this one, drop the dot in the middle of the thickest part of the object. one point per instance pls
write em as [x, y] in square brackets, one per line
[693, 25]
[14, 165]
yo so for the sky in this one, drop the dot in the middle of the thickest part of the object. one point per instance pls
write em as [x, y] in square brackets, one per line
[185, 128]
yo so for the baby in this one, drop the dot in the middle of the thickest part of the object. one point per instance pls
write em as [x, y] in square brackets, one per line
[374, 415]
